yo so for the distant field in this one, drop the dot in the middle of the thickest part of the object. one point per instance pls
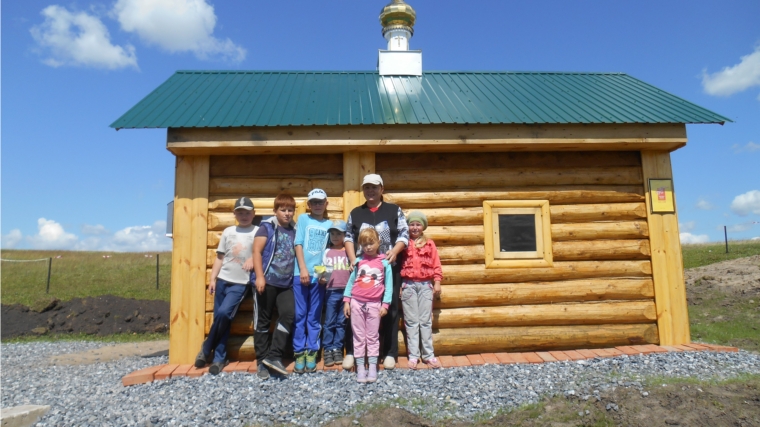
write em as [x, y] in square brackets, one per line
[83, 274]
[697, 255]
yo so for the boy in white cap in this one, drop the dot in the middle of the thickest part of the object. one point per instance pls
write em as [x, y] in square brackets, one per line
[229, 284]
[311, 240]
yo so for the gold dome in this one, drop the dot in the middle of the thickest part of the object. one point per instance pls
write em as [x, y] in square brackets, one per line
[397, 15]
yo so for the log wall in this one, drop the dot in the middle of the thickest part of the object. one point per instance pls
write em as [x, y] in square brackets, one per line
[600, 291]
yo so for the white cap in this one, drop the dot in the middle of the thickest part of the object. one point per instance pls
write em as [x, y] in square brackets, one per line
[372, 178]
[317, 194]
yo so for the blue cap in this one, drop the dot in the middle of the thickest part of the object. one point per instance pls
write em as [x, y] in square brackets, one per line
[317, 194]
[338, 224]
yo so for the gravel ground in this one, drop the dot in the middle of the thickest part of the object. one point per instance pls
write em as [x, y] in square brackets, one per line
[92, 395]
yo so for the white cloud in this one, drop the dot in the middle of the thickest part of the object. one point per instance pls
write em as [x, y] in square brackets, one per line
[177, 26]
[79, 39]
[738, 228]
[731, 80]
[748, 148]
[10, 240]
[51, 235]
[687, 226]
[703, 204]
[755, 238]
[745, 203]
[694, 238]
[94, 230]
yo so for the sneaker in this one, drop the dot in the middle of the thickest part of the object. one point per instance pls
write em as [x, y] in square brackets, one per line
[433, 362]
[348, 362]
[217, 367]
[412, 363]
[389, 363]
[262, 372]
[338, 356]
[300, 362]
[311, 361]
[201, 359]
[361, 374]
[372, 374]
[276, 365]
[327, 357]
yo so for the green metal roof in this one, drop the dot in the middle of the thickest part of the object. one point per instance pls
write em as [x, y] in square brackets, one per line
[303, 98]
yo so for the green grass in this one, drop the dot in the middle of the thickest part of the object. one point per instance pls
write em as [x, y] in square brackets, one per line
[117, 338]
[714, 321]
[83, 274]
[697, 255]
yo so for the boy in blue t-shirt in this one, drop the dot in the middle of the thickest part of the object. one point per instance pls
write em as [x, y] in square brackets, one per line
[312, 233]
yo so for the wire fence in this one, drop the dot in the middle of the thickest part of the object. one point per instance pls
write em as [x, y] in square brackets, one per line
[50, 267]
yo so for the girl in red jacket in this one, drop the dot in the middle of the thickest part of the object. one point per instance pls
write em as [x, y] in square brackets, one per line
[421, 276]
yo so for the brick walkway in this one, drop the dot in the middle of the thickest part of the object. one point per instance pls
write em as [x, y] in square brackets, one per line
[162, 372]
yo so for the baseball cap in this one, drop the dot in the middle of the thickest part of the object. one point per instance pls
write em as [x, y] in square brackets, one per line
[372, 178]
[243, 203]
[338, 224]
[317, 194]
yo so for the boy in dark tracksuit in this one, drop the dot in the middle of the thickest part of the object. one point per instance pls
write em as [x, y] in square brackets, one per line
[273, 265]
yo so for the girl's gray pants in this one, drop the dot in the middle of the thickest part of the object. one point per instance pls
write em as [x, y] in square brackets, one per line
[417, 301]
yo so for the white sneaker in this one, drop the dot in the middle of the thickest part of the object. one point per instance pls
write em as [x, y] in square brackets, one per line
[389, 363]
[348, 362]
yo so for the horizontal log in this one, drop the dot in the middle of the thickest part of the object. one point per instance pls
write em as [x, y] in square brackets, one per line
[598, 212]
[533, 338]
[390, 162]
[576, 250]
[456, 235]
[262, 187]
[600, 230]
[586, 250]
[564, 270]
[584, 313]
[437, 179]
[450, 216]
[501, 294]
[225, 204]
[587, 313]
[507, 339]
[218, 221]
[286, 164]
[474, 197]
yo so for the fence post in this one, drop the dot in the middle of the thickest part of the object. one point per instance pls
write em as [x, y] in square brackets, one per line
[157, 271]
[725, 234]
[50, 266]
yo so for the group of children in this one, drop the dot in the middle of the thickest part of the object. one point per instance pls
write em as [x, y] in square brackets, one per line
[301, 270]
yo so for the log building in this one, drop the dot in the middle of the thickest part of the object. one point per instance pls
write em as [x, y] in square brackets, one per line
[536, 186]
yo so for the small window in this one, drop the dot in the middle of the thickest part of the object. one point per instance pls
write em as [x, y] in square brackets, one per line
[517, 234]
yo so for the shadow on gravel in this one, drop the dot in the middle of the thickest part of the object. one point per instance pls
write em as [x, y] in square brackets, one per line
[104, 315]
[734, 403]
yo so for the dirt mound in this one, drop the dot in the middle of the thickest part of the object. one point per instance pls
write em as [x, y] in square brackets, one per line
[102, 315]
[736, 277]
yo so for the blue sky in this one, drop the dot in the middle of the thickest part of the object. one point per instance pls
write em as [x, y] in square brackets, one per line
[69, 69]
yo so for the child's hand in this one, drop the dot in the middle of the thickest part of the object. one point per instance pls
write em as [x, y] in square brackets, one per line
[248, 264]
[322, 281]
[347, 309]
[261, 283]
[383, 311]
[305, 278]
[437, 289]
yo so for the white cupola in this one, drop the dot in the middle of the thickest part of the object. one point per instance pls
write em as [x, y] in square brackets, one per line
[397, 19]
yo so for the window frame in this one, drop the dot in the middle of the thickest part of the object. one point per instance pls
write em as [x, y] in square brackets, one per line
[494, 258]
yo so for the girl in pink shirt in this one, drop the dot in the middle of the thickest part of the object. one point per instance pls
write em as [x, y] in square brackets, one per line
[368, 293]
[421, 276]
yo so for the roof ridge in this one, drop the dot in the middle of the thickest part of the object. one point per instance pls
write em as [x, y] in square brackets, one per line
[376, 72]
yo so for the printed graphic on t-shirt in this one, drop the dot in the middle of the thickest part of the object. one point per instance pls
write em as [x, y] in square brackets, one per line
[338, 262]
[282, 265]
[384, 230]
[316, 239]
[369, 277]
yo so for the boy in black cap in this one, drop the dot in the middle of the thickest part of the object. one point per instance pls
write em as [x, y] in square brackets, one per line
[230, 283]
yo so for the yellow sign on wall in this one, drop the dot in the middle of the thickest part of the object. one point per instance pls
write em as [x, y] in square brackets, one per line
[661, 195]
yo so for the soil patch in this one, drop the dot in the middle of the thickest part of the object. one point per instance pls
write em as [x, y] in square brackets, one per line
[737, 277]
[677, 404]
[103, 315]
